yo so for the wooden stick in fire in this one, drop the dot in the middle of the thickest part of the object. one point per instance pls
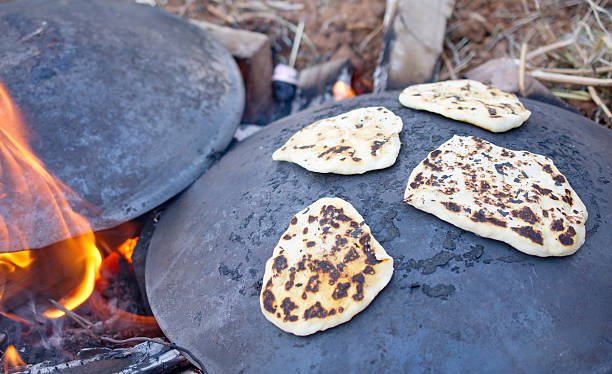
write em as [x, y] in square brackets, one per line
[87, 325]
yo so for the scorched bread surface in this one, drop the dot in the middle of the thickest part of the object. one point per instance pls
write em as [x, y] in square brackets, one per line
[326, 268]
[517, 197]
[469, 101]
[457, 302]
[355, 142]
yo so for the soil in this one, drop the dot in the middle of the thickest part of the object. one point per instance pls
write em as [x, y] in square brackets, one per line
[478, 30]
[337, 29]
[479, 21]
[478, 25]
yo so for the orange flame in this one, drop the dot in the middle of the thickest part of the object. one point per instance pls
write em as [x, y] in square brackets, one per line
[28, 186]
[10, 261]
[11, 359]
[342, 91]
[127, 248]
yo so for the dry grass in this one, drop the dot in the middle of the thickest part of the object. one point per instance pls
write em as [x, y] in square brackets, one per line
[566, 45]
[333, 28]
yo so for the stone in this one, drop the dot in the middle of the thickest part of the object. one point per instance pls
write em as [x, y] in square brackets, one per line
[503, 73]
[413, 42]
[315, 82]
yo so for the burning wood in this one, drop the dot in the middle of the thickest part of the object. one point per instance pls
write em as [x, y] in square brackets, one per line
[144, 358]
[342, 91]
[11, 359]
[127, 248]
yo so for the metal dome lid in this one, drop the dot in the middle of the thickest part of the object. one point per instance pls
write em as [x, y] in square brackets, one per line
[126, 104]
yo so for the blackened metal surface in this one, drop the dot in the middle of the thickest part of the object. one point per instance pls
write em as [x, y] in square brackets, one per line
[457, 303]
[126, 104]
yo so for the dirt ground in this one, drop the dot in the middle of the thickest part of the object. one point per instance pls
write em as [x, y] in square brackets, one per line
[477, 31]
[332, 29]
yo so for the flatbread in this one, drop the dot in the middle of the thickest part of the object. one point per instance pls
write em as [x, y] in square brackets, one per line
[517, 197]
[468, 101]
[352, 143]
[326, 268]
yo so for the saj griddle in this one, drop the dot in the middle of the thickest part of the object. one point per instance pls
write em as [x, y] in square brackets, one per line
[456, 303]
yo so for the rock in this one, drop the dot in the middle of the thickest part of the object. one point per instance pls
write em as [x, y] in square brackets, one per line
[414, 33]
[503, 73]
[315, 83]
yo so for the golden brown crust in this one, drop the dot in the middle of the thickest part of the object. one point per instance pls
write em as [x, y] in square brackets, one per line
[518, 197]
[469, 101]
[326, 268]
[354, 142]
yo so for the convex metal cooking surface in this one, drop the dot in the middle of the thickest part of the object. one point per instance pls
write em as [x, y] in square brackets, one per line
[456, 303]
[125, 103]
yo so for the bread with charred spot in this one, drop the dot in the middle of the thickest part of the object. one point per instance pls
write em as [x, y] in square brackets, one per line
[518, 197]
[468, 101]
[354, 142]
[326, 268]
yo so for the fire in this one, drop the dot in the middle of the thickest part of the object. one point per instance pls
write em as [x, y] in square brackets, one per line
[10, 261]
[90, 260]
[11, 359]
[342, 91]
[127, 248]
[28, 186]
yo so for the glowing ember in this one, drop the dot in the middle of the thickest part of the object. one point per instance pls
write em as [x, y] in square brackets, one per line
[342, 91]
[15, 317]
[127, 248]
[11, 359]
[26, 185]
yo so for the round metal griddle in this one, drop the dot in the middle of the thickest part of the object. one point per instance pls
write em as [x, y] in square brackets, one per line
[125, 103]
[456, 303]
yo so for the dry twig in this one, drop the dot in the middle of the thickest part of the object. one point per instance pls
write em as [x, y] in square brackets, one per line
[370, 36]
[459, 68]
[548, 48]
[570, 79]
[284, 6]
[449, 66]
[599, 70]
[600, 103]
[82, 321]
[283, 22]
[219, 14]
[296, 42]
[573, 95]
[87, 325]
[522, 70]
